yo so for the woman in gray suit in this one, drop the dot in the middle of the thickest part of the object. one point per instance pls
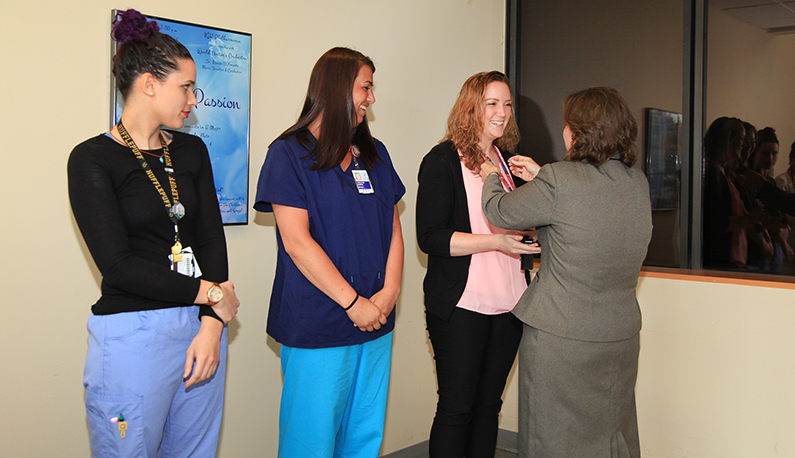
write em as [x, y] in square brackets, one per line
[578, 357]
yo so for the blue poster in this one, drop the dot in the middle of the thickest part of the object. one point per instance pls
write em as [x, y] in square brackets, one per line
[221, 116]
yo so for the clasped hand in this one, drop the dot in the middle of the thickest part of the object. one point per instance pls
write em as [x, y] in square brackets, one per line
[366, 315]
[227, 308]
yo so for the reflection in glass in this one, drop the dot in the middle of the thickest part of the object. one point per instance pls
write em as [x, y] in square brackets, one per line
[749, 74]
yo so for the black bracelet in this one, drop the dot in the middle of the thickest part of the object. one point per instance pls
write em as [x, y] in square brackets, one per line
[354, 301]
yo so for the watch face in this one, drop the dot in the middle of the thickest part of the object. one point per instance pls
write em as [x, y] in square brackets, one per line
[215, 294]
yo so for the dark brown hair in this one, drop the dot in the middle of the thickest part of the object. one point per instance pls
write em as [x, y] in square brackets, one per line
[766, 135]
[330, 95]
[719, 138]
[601, 125]
[465, 123]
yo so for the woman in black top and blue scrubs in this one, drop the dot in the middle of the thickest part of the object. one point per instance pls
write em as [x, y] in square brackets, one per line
[145, 203]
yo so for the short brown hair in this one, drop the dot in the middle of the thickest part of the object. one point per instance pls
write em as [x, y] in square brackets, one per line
[465, 123]
[601, 126]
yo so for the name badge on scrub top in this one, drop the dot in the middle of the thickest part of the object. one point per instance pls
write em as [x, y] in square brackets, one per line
[363, 182]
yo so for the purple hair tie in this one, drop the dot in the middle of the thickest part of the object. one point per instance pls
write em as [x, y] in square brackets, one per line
[130, 25]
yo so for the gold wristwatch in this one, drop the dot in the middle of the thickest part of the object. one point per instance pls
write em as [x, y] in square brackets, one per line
[214, 294]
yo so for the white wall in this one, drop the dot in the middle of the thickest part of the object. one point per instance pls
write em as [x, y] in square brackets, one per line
[55, 79]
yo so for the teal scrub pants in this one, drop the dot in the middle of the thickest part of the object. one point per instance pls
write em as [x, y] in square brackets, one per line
[334, 400]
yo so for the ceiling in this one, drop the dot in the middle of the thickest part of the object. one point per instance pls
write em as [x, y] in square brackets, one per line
[774, 16]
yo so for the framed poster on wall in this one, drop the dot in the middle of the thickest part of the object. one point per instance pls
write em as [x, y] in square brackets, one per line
[662, 158]
[222, 114]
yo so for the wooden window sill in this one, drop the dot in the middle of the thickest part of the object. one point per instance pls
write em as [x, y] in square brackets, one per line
[716, 276]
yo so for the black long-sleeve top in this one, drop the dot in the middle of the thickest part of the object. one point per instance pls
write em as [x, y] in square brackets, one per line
[441, 211]
[777, 199]
[716, 216]
[128, 232]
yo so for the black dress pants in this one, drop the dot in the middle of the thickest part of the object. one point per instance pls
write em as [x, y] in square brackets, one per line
[474, 354]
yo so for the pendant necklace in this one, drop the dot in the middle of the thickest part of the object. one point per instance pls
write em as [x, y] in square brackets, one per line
[176, 210]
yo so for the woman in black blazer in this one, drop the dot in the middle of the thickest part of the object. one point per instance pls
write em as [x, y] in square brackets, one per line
[474, 277]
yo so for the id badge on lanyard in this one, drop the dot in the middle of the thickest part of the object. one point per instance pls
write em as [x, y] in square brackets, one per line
[360, 176]
[363, 182]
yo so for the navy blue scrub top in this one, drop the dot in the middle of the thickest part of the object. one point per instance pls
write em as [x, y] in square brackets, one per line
[355, 231]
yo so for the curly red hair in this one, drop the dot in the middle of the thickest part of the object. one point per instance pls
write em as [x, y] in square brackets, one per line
[465, 123]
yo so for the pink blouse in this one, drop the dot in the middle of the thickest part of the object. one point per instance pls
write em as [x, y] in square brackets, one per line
[738, 251]
[495, 281]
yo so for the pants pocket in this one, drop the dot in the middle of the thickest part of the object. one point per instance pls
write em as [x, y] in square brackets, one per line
[106, 436]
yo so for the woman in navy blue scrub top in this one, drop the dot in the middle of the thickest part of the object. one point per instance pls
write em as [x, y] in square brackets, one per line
[333, 192]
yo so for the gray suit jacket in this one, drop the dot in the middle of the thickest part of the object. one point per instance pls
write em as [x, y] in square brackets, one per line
[594, 226]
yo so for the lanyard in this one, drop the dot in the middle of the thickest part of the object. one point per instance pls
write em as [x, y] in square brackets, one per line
[505, 175]
[175, 211]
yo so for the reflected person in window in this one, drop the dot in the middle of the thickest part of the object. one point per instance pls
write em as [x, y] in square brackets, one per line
[725, 218]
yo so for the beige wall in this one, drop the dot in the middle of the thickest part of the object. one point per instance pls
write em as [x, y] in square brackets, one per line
[55, 77]
[716, 370]
[750, 75]
[716, 360]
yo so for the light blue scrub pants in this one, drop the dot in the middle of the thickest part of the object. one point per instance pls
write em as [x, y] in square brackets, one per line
[134, 368]
[334, 400]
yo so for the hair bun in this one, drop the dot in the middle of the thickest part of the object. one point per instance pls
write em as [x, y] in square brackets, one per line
[130, 25]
